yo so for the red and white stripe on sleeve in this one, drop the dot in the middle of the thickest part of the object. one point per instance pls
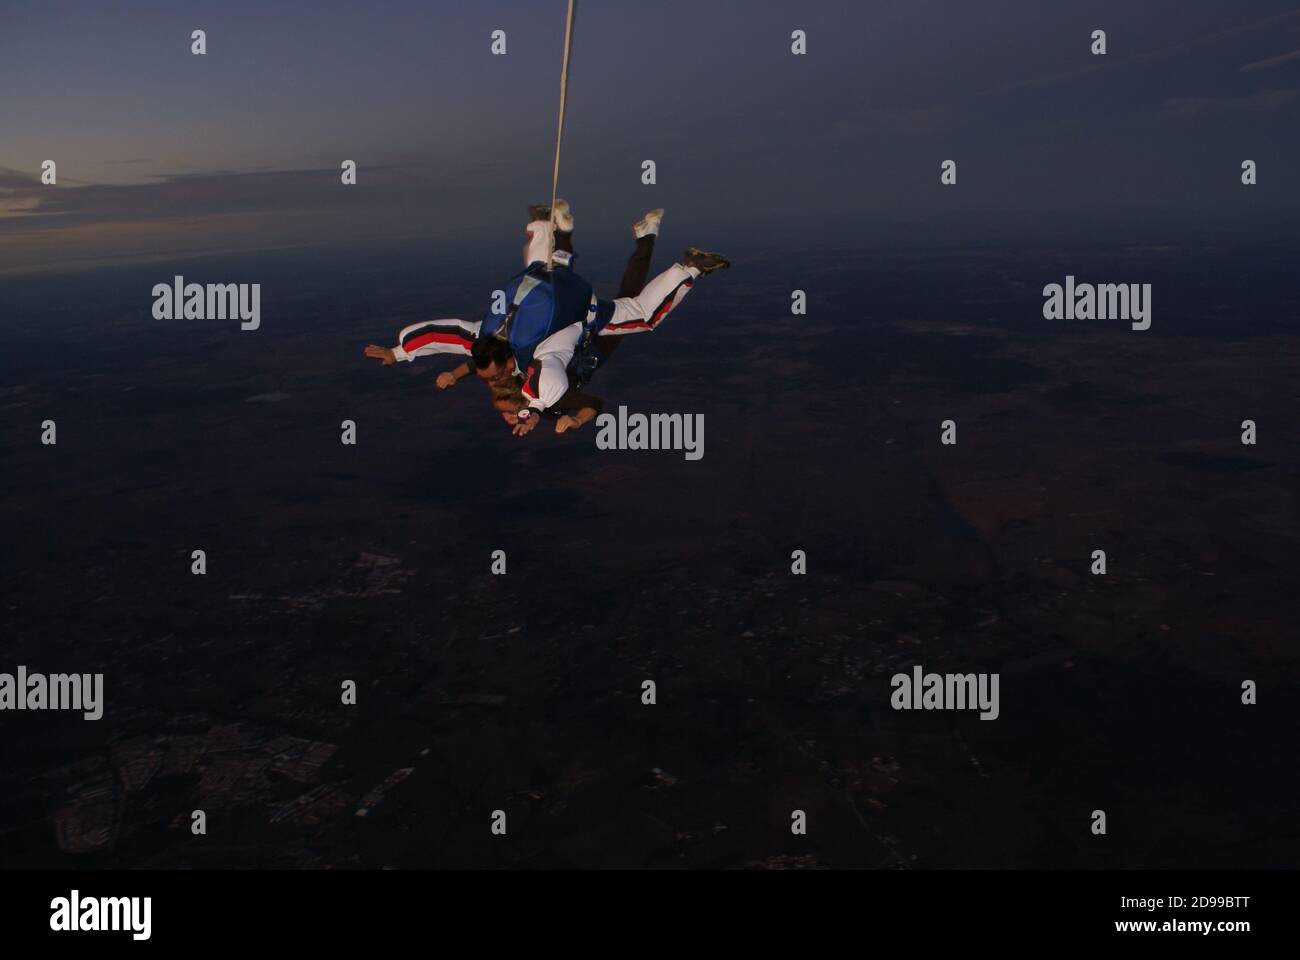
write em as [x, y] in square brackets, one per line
[436, 336]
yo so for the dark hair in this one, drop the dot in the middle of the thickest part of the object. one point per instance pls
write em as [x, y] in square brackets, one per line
[489, 351]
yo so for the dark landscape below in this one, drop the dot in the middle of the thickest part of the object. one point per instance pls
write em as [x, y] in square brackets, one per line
[522, 692]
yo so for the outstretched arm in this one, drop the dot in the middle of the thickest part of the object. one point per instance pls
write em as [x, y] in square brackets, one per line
[572, 421]
[449, 378]
[429, 336]
[577, 409]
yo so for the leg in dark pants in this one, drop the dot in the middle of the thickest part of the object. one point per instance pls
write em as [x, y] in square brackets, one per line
[634, 278]
[638, 268]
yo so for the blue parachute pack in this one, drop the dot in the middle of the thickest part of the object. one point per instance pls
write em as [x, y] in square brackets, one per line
[542, 302]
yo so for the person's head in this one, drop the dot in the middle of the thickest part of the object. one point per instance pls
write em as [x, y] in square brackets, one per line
[509, 409]
[493, 360]
[508, 398]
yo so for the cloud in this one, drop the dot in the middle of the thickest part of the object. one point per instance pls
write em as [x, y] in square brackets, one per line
[1183, 108]
[1178, 48]
[47, 227]
[27, 204]
[1271, 61]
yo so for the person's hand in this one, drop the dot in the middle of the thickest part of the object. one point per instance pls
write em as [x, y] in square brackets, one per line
[383, 354]
[523, 427]
[567, 423]
[446, 379]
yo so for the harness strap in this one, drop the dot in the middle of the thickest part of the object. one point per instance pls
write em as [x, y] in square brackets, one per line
[525, 287]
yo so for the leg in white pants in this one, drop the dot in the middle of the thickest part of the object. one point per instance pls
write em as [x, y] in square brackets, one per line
[538, 246]
[656, 300]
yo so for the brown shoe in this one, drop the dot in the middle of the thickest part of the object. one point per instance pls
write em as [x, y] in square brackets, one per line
[704, 261]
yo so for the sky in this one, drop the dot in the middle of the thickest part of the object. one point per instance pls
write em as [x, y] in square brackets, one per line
[160, 152]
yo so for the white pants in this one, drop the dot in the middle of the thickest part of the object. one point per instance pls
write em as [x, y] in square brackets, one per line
[538, 245]
[656, 300]
[636, 314]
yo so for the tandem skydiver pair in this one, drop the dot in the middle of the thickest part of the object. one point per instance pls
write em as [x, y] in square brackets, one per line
[536, 355]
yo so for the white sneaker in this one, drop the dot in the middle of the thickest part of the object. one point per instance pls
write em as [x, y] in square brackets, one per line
[563, 215]
[648, 226]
